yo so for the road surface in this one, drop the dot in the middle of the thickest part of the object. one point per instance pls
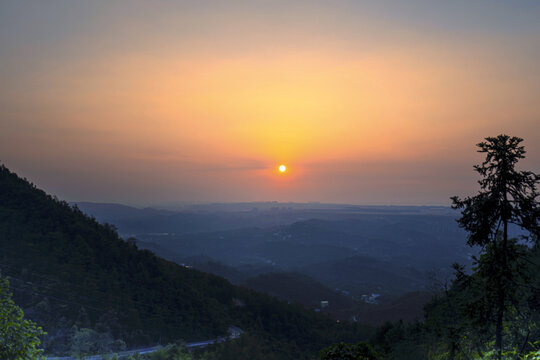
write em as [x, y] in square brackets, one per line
[147, 350]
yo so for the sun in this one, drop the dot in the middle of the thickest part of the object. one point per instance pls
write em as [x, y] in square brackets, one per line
[282, 168]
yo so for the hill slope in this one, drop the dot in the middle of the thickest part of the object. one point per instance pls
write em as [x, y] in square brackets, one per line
[67, 269]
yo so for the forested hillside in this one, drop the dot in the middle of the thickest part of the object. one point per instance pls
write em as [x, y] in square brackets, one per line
[68, 272]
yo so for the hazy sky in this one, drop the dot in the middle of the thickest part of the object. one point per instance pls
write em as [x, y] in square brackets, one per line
[369, 102]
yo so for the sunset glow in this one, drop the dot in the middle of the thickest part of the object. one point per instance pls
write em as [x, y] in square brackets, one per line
[194, 102]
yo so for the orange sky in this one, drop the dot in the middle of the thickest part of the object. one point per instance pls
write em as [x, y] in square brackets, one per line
[150, 104]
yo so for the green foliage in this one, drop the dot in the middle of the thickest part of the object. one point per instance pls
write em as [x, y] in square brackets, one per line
[511, 354]
[341, 351]
[19, 338]
[89, 342]
[255, 345]
[173, 352]
[401, 341]
[137, 356]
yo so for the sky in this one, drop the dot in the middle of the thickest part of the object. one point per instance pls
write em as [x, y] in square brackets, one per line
[365, 102]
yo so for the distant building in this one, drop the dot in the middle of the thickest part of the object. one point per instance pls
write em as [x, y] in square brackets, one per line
[370, 299]
[234, 332]
[324, 303]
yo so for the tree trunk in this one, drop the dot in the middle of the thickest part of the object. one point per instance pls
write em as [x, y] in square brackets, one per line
[502, 282]
[500, 314]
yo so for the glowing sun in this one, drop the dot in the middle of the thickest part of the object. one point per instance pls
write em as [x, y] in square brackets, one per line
[282, 168]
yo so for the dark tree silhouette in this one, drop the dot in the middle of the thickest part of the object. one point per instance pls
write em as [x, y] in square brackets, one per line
[507, 196]
[341, 351]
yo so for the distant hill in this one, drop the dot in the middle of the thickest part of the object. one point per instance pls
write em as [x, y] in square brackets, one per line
[390, 254]
[189, 219]
[67, 269]
[295, 287]
[131, 220]
[395, 247]
[299, 288]
[363, 275]
[109, 212]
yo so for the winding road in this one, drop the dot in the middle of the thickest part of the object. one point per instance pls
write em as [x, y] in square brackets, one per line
[146, 350]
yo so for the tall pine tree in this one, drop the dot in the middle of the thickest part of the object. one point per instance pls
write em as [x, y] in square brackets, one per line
[507, 196]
